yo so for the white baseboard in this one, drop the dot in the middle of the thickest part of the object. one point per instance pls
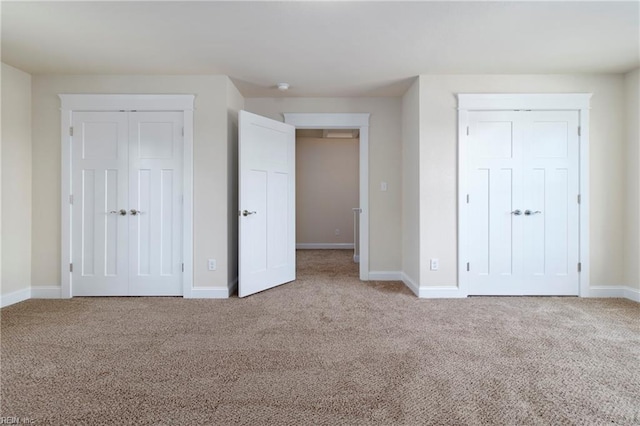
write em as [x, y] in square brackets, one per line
[448, 292]
[606, 291]
[385, 276]
[15, 297]
[324, 246]
[209, 293]
[441, 292]
[411, 284]
[632, 294]
[356, 258]
[615, 291]
[48, 292]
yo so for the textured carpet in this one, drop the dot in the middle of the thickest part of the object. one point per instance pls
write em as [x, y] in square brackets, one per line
[326, 349]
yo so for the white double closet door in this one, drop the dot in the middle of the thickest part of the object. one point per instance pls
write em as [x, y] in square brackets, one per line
[523, 207]
[127, 203]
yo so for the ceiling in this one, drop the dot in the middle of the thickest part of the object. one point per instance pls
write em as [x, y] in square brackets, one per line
[338, 48]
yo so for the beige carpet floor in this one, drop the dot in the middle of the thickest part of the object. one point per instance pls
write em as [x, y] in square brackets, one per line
[326, 349]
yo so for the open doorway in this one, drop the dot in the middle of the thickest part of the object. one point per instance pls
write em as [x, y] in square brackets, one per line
[266, 195]
[348, 121]
[327, 194]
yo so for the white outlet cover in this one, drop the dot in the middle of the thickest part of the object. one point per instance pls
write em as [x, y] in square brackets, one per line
[434, 264]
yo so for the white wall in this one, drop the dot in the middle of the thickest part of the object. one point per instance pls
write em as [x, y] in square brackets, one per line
[16, 185]
[438, 160]
[326, 189]
[632, 240]
[411, 183]
[385, 164]
[214, 101]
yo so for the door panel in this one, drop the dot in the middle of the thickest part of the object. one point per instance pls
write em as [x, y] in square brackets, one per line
[267, 194]
[155, 158]
[495, 189]
[99, 178]
[255, 226]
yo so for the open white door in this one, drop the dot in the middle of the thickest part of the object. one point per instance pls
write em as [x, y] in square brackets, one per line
[267, 255]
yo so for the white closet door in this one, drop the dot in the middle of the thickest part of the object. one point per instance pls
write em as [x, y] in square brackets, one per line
[551, 186]
[155, 203]
[495, 222]
[99, 186]
[523, 211]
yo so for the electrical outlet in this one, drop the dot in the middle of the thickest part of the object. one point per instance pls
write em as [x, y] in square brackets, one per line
[337, 232]
[212, 264]
[434, 264]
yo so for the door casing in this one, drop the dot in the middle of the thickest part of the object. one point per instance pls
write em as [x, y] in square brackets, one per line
[508, 102]
[95, 102]
[346, 121]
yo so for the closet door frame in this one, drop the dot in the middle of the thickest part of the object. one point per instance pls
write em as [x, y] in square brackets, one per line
[71, 103]
[522, 101]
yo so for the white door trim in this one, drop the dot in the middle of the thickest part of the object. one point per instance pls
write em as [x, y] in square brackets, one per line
[346, 121]
[507, 101]
[121, 102]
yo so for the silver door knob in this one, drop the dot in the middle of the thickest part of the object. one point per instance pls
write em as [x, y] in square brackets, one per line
[121, 212]
[516, 212]
[530, 213]
[135, 212]
[247, 213]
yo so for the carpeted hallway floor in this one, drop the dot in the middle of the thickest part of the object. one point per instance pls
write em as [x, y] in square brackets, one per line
[326, 349]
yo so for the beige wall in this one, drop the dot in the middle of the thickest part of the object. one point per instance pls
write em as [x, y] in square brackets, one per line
[326, 189]
[438, 165]
[632, 240]
[385, 164]
[411, 183]
[410, 223]
[16, 180]
[235, 102]
[211, 159]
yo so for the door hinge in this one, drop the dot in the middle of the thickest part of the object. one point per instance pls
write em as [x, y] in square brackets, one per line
[70, 131]
[579, 266]
[579, 131]
[468, 267]
[579, 199]
[467, 198]
[183, 267]
[71, 199]
[71, 267]
[467, 130]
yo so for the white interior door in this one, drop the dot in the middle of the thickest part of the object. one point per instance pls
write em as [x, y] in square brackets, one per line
[551, 211]
[127, 208]
[100, 171]
[495, 199]
[155, 203]
[266, 202]
[523, 210]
